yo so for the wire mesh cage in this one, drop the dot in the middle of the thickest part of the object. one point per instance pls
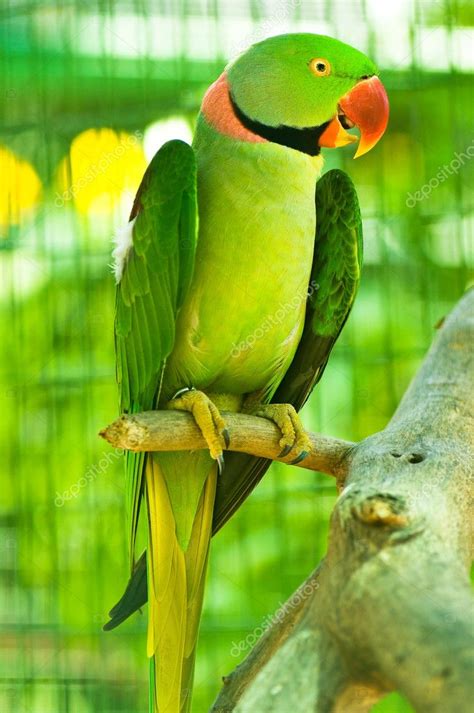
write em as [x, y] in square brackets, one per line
[89, 91]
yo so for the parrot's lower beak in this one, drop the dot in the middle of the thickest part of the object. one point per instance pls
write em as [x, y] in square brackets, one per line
[366, 107]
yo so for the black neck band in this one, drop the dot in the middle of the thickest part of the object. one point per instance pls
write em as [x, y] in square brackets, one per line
[304, 140]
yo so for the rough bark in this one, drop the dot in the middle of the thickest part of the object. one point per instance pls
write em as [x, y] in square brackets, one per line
[390, 607]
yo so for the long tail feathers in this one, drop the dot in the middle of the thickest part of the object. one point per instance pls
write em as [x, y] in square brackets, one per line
[176, 587]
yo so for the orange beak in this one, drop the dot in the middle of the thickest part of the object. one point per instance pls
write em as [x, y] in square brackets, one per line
[365, 106]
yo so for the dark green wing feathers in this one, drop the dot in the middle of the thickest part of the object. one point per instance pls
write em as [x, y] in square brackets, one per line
[334, 281]
[134, 597]
[155, 277]
[333, 286]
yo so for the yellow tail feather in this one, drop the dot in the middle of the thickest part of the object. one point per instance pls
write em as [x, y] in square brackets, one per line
[175, 590]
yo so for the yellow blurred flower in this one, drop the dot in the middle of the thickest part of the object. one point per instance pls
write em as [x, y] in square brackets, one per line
[20, 188]
[102, 165]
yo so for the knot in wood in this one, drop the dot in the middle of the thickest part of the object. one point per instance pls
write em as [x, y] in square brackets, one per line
[381, 509]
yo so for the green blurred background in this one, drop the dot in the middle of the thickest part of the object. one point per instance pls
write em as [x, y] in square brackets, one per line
[88, 92]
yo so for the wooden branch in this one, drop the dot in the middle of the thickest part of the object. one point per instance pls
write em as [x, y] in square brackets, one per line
[175, 431]
[391, 605]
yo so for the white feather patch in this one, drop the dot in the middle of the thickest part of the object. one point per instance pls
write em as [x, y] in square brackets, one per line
[123, 241]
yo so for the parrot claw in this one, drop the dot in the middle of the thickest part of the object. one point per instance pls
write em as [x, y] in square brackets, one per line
[293, 435]
[207, 417]
[285, 451]
[220, 463]
[299, 458]
[182, 391]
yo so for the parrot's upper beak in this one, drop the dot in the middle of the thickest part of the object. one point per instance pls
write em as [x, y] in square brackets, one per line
[365, 106]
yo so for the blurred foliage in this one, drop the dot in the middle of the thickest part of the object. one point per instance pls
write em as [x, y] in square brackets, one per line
[62, 525]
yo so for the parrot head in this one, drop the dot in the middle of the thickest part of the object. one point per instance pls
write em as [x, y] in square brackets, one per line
[308, 89]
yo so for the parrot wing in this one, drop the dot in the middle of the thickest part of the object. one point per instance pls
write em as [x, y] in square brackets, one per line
[155, 274]
[134, 597]
[333, 285]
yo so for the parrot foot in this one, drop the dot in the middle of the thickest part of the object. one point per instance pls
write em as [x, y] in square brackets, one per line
[207, 417]
[294, 436]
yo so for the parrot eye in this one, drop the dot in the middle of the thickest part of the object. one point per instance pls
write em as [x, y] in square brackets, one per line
[320, 67]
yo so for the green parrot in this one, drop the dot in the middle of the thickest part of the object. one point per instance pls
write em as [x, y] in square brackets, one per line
[235, 276]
